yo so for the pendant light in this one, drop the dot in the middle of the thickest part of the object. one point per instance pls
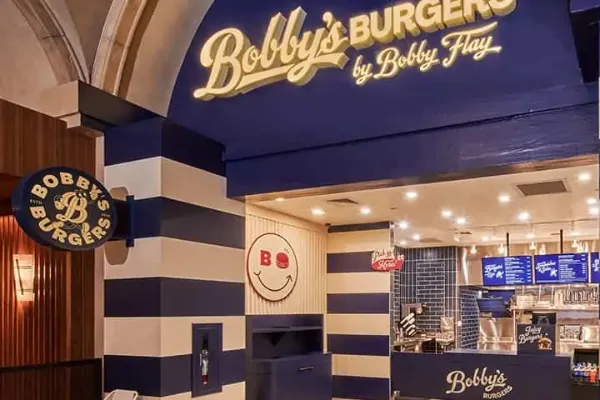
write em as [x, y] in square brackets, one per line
[501, 249]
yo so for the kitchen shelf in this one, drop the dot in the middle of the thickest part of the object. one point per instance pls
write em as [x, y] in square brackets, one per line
[589, 308]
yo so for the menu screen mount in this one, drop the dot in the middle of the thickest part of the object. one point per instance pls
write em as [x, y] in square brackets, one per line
[501, 271]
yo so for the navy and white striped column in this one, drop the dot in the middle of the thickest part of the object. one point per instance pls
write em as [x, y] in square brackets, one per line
[187, 265]
[358, 316]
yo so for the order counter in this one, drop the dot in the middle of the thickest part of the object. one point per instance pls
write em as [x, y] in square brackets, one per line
[466, 374]
[480, 374]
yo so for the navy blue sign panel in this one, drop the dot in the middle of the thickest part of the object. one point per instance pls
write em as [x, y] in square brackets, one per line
[499, 271]
[531, 48]
[64, 208]
[595, 267]
[561, 268]
[472, 376]
[536, 339]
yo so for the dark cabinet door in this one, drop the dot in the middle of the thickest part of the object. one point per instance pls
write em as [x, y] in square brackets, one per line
[304, 379]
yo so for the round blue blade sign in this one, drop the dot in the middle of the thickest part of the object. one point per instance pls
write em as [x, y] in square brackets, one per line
[65, 208]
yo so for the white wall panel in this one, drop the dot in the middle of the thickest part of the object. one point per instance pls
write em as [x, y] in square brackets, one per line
[174, 258]
[358, 282]
[168, 336]
[350, 242]
[164, 177]
[358, 324]
[363, 366]
[310, 245]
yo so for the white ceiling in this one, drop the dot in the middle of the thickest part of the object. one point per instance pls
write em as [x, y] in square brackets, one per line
[474, 199]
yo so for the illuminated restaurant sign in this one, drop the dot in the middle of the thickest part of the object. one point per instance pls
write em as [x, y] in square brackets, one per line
[64, 208]
[289, 53]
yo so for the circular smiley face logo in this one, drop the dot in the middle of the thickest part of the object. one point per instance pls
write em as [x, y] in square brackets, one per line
[272, 267]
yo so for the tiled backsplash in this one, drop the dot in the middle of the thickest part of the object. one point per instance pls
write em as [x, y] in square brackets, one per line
[428, 277]
[469, 331]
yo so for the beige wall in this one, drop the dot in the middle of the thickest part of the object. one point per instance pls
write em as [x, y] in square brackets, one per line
[352, 284]
[310, 245]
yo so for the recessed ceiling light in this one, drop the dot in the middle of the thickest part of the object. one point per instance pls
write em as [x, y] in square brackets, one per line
[594, 211]
[317, 211]
[365, 210]
[584, 177]
[485, 239]
[403, 243]
[280, 199]
[461, 221]
[531, 235]
[403, 225]
[591, 201]
[446, 213]
[504, 198]
[416, 237]
[411, 195]
[524, 216]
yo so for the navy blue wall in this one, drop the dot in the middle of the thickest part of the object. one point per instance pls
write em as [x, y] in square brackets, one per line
[525, 104]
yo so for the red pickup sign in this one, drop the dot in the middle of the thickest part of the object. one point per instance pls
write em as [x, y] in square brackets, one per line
[386, 260]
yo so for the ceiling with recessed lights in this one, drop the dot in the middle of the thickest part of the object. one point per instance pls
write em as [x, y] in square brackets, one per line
[529, 206]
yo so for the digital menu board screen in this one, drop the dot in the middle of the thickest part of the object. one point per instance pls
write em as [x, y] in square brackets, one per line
[500, 271]
[561, 268]
[595, 272]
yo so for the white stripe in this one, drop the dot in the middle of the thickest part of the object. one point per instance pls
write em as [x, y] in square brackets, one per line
[358, 282]
[167, 336]
[166, 257]
[141, 178]
[158, 176]
[237, 391]
[358, 324]
[363, 366]
[347, 242]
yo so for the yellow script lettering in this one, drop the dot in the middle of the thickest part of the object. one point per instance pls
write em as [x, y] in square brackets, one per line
[238, 67]
[470, 42]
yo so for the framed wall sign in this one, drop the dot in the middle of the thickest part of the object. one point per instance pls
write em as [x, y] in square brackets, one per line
[272, 267]
[64, 208]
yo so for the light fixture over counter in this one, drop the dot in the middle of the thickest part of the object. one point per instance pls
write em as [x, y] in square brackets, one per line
[24, 274]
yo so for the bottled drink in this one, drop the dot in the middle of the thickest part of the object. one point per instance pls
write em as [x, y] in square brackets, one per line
[594, 374]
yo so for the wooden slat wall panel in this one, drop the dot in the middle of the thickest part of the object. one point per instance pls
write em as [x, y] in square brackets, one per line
[30, 141]
[310, 245]
[59, 324]
[71, 381]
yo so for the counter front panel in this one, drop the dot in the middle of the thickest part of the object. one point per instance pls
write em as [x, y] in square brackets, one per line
[479, 375]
